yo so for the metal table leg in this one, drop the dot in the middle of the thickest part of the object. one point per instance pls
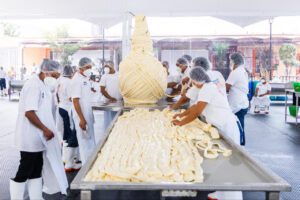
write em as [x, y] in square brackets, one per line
[285, 106]
[297, 106]
[272, 196]
[86, 195]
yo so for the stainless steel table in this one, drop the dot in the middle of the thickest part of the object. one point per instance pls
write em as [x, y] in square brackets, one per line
[297, 94]
[240, 172]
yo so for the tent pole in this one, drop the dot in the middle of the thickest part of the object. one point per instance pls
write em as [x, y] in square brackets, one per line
[270, 53]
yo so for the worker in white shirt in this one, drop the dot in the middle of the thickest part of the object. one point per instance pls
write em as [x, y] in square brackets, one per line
[36, 138]
[2, 81]
[192, 93]
[109, 85]
[183, 69]
[237, 89]
[172, 81]
[262, 96]
[213, 105]
[65, 111]
[82, 109]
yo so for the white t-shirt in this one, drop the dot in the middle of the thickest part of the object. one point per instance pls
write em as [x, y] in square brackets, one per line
[64, 93]
[216, 78]
[2, 74]
[263, 88]
[217, 105]
[81, 88]
[171, 79]
[237, 96]
[32, 98]
[111, 84]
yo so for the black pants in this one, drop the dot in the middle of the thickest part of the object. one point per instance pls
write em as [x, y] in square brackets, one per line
[69, 134]
[241, 116]
[31, 164]
[2, 84]
[294, 100]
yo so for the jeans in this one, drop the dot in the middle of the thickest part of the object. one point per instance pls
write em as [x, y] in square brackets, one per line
[69, 134]
[31, 164]
[241, 116]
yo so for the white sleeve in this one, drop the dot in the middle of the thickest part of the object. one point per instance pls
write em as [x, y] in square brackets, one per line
[75, 89]
[103, 81]
[233, 78]
[269, 87]
[31, 98]
[206, 93]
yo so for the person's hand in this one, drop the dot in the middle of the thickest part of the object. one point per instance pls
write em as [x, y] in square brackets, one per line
[261, 95]
[185, 80]
[83, 124]
[113, 100]
[173, 106]
[48, 134]
[176, 122]
[177, 115]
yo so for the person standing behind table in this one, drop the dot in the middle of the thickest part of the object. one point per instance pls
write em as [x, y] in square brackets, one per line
[83, 113]
[262, 96]
[36, 139]
[2, 81]
[237, 89]
[65, 111]
[109, 85]
[183, 68]
[213, 105]
[170, 79]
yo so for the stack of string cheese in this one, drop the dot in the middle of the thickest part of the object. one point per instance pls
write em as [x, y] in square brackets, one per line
[143, 79]
[144, 146]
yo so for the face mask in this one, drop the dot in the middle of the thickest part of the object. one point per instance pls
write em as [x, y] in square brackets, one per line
[87, 73]
[263, 81]
[106, 70]
[51, 83]
[178, 70]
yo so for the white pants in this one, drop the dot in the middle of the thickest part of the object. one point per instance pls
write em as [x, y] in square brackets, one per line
[261, 101]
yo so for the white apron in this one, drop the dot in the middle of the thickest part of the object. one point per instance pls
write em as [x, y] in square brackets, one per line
[54, 176]
[86, 139]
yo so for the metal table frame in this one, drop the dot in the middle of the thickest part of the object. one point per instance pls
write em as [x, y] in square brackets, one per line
[297, 94]
[272, 189]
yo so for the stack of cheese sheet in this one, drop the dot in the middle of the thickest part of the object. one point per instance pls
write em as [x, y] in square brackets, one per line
[144, 146]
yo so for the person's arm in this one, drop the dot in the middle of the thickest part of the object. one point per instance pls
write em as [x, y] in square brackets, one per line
[78, 110]
[33, 118]
[172, 85]
[191, 115]
[183, 99]
[105, 93]
[256, 91]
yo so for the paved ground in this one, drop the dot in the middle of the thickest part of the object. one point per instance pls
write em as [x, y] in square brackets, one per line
[269, 139]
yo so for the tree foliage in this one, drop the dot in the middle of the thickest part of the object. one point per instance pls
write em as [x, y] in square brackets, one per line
[10, 29]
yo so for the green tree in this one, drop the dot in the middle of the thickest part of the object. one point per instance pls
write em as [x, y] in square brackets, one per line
[220, 50]
[59, 45]
[9, 29]
[287, 54]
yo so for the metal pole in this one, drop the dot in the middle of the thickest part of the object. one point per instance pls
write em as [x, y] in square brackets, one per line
[103, 38]
[270, 55]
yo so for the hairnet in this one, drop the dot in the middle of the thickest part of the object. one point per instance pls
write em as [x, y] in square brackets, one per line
[84, 62]
[199, 75]
[68, 71]
[166, 64]
[201, 62]
[187, 57]
[237, 59]
[182, 61]
[49, 66]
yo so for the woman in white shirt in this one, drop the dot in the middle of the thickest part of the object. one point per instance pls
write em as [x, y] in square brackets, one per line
[65, 111]
[262, 96]
[213, 105]
[237, 89]
[109, 85]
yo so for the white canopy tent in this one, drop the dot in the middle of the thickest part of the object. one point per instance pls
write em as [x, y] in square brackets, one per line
[109, 12]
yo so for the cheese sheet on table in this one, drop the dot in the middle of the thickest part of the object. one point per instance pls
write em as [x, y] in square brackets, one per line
[144, 146]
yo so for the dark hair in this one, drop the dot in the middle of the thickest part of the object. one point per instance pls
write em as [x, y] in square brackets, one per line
[201, 62]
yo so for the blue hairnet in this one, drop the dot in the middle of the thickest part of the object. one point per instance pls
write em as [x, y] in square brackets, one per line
[68, 71]
[182, 61]
[201, 62]
[84, 62]
[199, 75]
[237, 59]
[187, 57]
[50, 66]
